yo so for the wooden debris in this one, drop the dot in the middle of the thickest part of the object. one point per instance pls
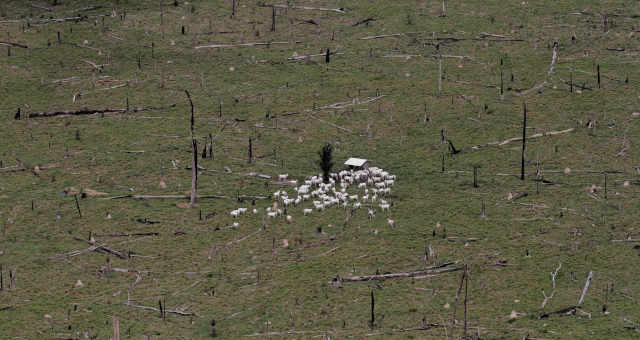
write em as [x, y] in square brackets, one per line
[148, 197]
[268, 43]
[336, 10]
[94, 111]
[429, 271]
[586, 287]
[170, 311]
[12, 44]
[515, 139]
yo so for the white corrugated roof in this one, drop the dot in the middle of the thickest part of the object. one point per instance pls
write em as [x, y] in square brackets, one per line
[355, 161]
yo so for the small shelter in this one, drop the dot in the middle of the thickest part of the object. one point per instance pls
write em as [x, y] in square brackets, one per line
[357, 163]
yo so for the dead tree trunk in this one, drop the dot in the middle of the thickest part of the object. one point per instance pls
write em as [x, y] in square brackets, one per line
[194, 146]
[524, 137]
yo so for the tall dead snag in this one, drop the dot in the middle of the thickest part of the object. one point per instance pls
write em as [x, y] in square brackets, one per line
[524, 137]
[455, 302]
[194, 146]
[116, 329]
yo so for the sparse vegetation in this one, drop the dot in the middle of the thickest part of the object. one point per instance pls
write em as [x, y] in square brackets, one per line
[97, 235]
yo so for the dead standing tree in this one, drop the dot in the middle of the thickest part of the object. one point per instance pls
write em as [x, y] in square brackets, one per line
[194, 145]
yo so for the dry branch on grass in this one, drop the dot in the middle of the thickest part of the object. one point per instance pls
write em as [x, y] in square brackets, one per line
[35, 169]
[538, 86]
[332, 124]
[170, 311]
[94, 247]
[94, 111]
[12, 44]
[149, 197]
[425, 272]
[553, 287]
[586, 287]
[268, 43]
[336, 10]
[515, 139]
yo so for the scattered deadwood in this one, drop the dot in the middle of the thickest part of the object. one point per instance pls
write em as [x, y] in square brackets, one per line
[104, 248]
[364, 21]
[127, 235]
[12, 44]
[565, 311]
[94, 247]
[255, 174]
[429, 271]
[268, 43]
[243, 238]
[554, 59]
[50, 20]
[539, 86]
[332, 124]
[171, 311]
[371, 37]
[553, 287]
[515, 139]
[35, 169]
[169, 197]
[586, 287]
[41, 7]
[89, 8]
[305, 57]
[94, 111]
[535, 87]
[336, 10]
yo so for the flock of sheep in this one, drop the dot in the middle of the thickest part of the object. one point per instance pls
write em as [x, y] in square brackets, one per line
[371, 186]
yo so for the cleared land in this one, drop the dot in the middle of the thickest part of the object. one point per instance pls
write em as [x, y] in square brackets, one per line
[100, 92]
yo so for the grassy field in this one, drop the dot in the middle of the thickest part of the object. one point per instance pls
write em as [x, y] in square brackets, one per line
[272, 279]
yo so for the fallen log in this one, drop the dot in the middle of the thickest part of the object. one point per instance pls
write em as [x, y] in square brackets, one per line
[127, 235]
[429, 271]
[41, 7]
[515, 139]
[12, 44]
[337, 10]
[172, 311]
[586, 287]
[148, 197]
[102, 247]
[268, 43]
[35, 169]
[94, 111]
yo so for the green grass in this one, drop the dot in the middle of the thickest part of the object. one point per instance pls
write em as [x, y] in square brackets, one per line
[293, 291]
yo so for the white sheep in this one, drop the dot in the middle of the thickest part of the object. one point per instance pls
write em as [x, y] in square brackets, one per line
[272, 214]
[283, 177]
[372, 213]
[255, 211]
[391, 222]
[234, 213]
[307, 211]
[236, 224]
[289, 218]
[356, 205]
[384, 207]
